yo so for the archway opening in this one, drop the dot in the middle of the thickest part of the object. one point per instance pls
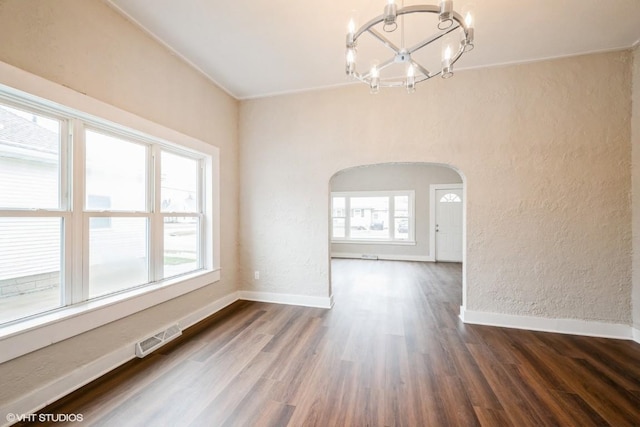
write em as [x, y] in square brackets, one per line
[405, 212]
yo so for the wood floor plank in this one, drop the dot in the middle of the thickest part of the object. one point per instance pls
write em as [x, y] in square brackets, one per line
[391, 352]
[625, 370]
[478, 390]
[576, 411]
[515, 400]
[488, 417]
[597, 391]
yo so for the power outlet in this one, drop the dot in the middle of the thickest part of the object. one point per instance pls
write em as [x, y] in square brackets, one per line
[256, 275]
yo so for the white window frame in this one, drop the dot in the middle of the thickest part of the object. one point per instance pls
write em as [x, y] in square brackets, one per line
[392, 240]
[21, 337]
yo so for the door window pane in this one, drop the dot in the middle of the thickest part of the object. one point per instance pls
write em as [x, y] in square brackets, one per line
[29, 160]
[118, 255]
[116, 171]
[450, 198]
[369, 218]
[30, 265]
[180, 245]
[179, 183]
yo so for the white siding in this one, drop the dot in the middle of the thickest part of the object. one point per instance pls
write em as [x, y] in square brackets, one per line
[29, 246]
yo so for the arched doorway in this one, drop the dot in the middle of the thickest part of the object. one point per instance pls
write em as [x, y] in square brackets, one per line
[389, 212]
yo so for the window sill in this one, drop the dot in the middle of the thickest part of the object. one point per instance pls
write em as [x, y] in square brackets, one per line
[35, 333]
[375, 242]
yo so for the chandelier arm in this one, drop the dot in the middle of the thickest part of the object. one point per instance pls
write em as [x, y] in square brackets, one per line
[457, 56]
[386, 63]
[431, 39]
[384, 83]
[384, 40]
[423, 78]
[373, 22]
[431, 9]
[421, 68]
[418, 9]
[380, 67]
[460, 20]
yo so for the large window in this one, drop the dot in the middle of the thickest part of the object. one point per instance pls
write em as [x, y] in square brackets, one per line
[89, 209]
[373, 216]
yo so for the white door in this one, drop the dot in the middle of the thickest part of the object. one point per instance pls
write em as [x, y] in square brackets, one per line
[449, 224]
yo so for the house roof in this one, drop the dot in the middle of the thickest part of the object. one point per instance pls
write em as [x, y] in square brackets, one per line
[19, 132]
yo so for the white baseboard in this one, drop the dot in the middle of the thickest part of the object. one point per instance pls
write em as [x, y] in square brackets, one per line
[289, 299]
[635, 332]
[49, 393]
[387, 257]
[561, 326]
[209, 310]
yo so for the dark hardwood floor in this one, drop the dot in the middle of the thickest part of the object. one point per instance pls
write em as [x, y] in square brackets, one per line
[392, 352]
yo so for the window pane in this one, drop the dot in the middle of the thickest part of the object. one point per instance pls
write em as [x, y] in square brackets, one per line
[401, 205]
[179, 183]
[30, 254]
[369, 217]
[402, 228]
[338, 207]
[118, 256]
[29, 160]
[180, 245]
[116, 173]
[338, 227]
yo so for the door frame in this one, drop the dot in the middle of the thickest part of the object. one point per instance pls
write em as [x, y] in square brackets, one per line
[432, 216]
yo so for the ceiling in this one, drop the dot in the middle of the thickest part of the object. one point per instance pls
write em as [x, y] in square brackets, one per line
[257, 48]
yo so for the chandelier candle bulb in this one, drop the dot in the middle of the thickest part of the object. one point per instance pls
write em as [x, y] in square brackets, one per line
[411, 79]
[351, 30]
[469, 33]
[468, 20]
[375, 80]
[447, 68]
[390, 13]
[446, 8]
[351, 27]
[351, 62]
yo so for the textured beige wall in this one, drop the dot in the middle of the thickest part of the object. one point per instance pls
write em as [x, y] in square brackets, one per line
[635, 142]
[406, 176]
[85, 45]
[544, 148]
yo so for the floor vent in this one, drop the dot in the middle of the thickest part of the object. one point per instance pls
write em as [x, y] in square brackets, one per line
[148, 345]
[365, 256]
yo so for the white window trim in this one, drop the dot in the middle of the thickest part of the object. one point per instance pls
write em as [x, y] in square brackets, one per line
[23, 337]
[410, 241]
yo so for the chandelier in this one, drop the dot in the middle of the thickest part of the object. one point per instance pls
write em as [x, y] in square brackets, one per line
[407, 65]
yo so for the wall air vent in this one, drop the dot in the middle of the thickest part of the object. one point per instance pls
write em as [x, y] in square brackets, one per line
[148, 345]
